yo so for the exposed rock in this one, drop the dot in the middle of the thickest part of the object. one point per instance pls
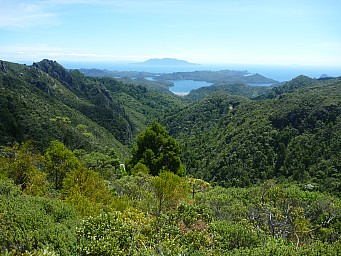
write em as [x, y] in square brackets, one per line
[3, 66]
[55, 70]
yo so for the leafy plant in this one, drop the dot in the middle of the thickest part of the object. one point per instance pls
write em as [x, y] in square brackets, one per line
[157, 150]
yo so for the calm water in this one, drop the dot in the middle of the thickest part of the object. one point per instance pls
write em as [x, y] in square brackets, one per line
[183, 87]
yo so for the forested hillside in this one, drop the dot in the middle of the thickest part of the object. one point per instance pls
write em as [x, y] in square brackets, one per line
[244, 90]
[130, 77]
[294, 136]
[219, 174]
[45, 102]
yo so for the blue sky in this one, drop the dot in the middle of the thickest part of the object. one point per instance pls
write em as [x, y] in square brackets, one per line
[301, 32]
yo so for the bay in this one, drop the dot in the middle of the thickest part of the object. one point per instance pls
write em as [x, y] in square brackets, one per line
[183, 87]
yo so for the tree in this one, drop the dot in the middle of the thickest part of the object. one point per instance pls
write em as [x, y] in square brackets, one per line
[106, 163]
[23, 164]
[169, 190]
[157, 150]
[59, 161]
[86, 191]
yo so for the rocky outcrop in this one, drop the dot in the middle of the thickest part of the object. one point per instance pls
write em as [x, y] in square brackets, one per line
[3, 66]
[55, 70]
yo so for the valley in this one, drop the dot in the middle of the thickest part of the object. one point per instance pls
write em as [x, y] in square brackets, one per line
[98, 162]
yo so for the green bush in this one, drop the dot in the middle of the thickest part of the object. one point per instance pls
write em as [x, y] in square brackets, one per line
[8, 188]
[105, 234]
[33, 223]
[229, 236]
[278, 248]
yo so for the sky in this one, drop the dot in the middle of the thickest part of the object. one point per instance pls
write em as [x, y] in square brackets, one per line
[268, 32]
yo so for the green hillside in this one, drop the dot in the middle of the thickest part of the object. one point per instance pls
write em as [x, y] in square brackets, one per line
[233, 89]
[33, 108]
[130, 77]
[45, 102]
[219, 174]
[123, 109]
[295, 136]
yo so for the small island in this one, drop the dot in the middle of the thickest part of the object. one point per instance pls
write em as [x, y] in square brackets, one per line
[167, 62]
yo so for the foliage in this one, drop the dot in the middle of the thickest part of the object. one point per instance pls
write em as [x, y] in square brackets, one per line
[278, 211]
[260, 220]
[32, 223]
[294, 136]
[113, 234]
[169, 190]
[100, 111]
[22, 164]
[8, 188]
[198, 185]
[106, 163]
[157, 150]
[222, 221]
[276, 158]
[278, 248]
[86, 191]
[244, 90]
[294, 84]
[137, 190]
[229, 236]
[59, 161]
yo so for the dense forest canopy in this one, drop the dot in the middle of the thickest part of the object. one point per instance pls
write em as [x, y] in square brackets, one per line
[96, 166]
[239, 143]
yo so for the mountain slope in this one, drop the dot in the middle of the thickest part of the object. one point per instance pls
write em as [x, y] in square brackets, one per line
[45, 101]
[130, 77]
[123, 109]
[294, 84]
[295, 136]
[233, 89]
[33, 108]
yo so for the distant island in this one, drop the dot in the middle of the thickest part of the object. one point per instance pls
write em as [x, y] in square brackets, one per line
[165, 80]
[167, 62]
[222, 76]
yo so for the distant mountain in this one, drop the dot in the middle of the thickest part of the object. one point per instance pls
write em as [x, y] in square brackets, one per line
[324, 76]
[168, 62]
